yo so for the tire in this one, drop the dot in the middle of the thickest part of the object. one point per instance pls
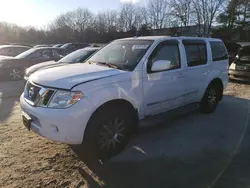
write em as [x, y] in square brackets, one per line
[211, 98]
[107, 133]
[16, 74]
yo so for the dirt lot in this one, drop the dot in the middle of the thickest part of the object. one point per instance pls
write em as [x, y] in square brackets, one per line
[193, 150]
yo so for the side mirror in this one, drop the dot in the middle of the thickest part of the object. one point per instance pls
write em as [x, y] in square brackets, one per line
[161, 65]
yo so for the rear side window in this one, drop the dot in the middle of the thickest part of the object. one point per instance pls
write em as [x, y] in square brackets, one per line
[219, 51]
[196, 54]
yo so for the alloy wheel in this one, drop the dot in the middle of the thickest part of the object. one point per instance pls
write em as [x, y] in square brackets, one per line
[112, 134]
[15, 74]
[212, 97]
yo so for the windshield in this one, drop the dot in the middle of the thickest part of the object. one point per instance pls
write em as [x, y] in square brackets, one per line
[244, 52]
[25, 54]
[125, 54]
[65, 45]
[77, 56]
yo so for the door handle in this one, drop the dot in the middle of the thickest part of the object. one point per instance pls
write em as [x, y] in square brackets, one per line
[178, 77]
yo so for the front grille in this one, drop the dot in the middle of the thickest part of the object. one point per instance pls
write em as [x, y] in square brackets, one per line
[37, 95]
[31, 92]
[242, 67]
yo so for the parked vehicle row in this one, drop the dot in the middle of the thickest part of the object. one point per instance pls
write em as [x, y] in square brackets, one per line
[74, 57]
[70, 47]
[98, 104]
[12, 50]
[13, 68]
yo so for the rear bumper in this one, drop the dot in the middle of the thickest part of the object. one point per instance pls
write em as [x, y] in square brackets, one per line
[239, 75]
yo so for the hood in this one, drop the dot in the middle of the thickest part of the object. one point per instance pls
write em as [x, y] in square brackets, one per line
[40, 66]
[5, 57]
[68, 76]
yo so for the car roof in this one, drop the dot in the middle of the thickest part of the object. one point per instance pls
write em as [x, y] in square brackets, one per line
[48, 48]
[14, 46]
[244, 43]
[91, 48]
[159, 38]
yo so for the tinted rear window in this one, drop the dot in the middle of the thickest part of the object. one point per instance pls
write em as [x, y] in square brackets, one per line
[219, 51]
[196, 54]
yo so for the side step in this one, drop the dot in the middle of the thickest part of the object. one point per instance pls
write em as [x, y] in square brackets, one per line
[168, 116]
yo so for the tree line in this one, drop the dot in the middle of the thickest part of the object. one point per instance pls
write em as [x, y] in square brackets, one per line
[82, 25]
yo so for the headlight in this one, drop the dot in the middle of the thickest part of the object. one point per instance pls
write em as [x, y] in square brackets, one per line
[232, 66]
[65, 99]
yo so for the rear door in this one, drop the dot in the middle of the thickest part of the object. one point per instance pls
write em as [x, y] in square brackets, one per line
[164, 90]
[220, 59]
[197, 68]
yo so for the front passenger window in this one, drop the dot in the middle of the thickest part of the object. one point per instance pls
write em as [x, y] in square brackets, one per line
[168, 52]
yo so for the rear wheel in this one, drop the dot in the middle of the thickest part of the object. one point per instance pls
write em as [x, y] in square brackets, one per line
[16, 74]
[107, 133]
[211, 98]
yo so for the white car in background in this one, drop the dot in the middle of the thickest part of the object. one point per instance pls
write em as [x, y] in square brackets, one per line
[100, 103]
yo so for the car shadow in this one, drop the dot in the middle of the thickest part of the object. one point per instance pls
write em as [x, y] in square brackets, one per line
[240, 82]
[9, 97]
[189, 151]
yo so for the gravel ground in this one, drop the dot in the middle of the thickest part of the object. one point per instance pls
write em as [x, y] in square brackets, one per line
[152, 159]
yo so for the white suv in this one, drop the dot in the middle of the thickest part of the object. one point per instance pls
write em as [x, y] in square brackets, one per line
[99, 103]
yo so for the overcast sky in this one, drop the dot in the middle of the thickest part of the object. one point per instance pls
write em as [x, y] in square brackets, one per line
[40, 12]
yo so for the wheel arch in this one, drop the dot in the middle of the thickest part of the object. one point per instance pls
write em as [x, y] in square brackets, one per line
[118, 104]
[218, 82]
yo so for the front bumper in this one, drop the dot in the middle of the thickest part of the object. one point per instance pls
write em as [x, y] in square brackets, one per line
[239, 75]
[62, 125]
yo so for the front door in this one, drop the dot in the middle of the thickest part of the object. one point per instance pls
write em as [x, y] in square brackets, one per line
[164, 90]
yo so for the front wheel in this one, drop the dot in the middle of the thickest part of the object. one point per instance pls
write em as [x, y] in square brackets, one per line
[210, 99]
[107, 133]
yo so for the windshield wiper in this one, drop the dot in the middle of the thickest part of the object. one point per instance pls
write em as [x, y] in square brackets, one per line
[90, 62]
[108, 64]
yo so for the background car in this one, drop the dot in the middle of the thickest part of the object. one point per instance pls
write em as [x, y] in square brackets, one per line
[233, 49]
[70, 47]
[14, 68]
[57, 45]
[240, 68]
[74, 57]
[12, 50]
[43, 45]
[22, 44]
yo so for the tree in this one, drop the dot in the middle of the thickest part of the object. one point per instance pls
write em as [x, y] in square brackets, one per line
[229, 16]
[206, 11]
[181, 11]
[158, 11]
[127, 16]
[236, 19]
